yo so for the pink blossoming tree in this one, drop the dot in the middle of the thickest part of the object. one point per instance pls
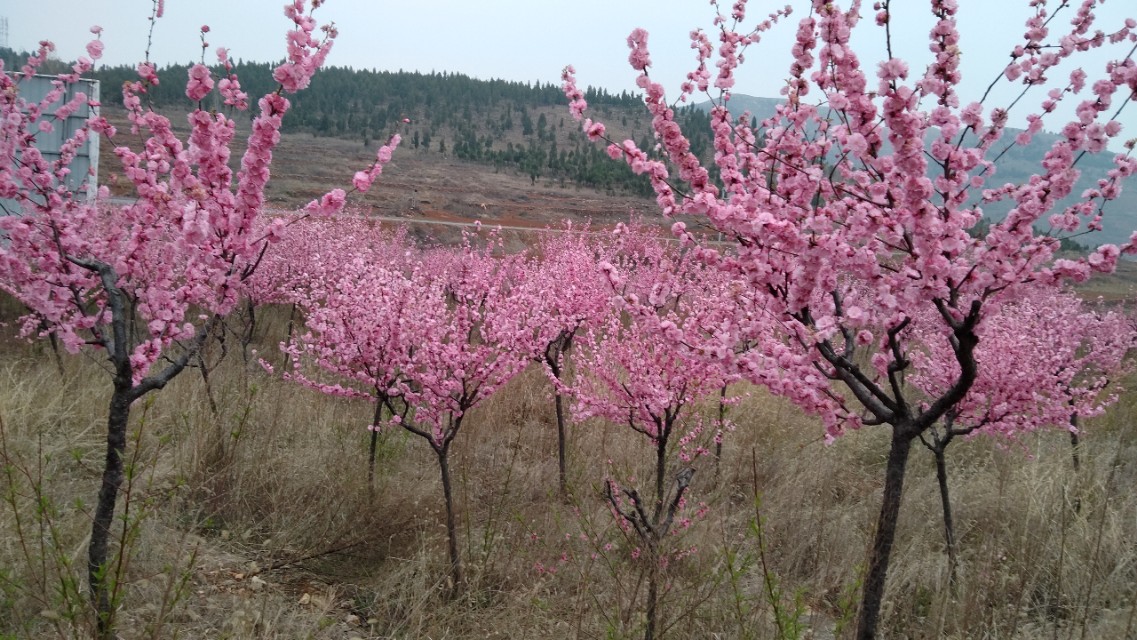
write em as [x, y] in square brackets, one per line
[1045, 360]
[475, 336]
[427, 343]
[643, 366]
[571, 293]
[869, 178]
[144, 283]
[356, 288]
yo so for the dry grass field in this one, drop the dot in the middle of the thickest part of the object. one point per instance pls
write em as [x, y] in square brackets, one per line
[255, 521]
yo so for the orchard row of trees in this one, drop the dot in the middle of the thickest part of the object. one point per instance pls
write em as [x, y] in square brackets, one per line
[852, 284]
[427, 335]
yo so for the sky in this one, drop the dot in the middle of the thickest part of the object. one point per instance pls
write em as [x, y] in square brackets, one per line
[523, 40]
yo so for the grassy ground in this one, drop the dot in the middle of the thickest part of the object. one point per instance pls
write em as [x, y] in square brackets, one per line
[254, 520]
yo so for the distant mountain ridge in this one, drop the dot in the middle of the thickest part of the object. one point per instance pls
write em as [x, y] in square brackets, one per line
[1016, 166]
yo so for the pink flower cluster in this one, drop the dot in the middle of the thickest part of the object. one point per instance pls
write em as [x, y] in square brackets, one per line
[427, 334]
[200, 82]
[657, 353]
[230, 87]
[305, 52]
[363, 180]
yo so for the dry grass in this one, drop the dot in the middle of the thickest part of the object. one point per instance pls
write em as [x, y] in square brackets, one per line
[256, 522]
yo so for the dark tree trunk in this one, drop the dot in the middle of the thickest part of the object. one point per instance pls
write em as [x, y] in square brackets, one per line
[562, 463]
[657, 533]
[451, 525]
[1076, 457]
[722, 431]
[553, 353]
[660, 469]
[1075, 445]
[374, 444]
[945, 502]
[873, 594]
[115, 338]
[371, 460]
[213, 410]
[250, 330]
[652, 531]
[55, 352]
[97, 566]
[652, 593]
[288, 337]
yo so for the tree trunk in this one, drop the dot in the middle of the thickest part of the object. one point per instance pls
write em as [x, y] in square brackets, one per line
[118, 416]
[371, 461]
[660, 470]
[213, 410]
[97, 566]
[288, 337]
[551, 359]
[54, 340]
[562, 463]
[722, 431]
[250, 330]
[949, 526]
[652, 592]
[451, 526]
[374, 445]
[1075, 448]
[654, 544]
[1076, 456]
[873, 593]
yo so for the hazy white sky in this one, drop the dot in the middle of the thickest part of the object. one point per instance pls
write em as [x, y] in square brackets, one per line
[527, 40]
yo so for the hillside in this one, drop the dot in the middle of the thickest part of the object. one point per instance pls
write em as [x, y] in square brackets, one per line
[524, 129]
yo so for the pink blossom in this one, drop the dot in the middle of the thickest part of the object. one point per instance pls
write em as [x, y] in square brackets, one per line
[361, 181]
[148, 73]
[230, 90]
[577, 104]
[893, 69]
[329, 204]
[200, 82]
[639, 57]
